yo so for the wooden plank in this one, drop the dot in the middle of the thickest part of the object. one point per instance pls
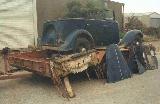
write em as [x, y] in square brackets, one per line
[68, 87]
[15, 75]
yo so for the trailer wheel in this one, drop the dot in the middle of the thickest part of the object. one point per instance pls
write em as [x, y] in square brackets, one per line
[82, 43]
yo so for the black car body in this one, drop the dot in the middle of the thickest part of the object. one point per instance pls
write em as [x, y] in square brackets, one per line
[64, 34]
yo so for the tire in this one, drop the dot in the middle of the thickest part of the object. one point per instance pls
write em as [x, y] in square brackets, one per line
[82, 43]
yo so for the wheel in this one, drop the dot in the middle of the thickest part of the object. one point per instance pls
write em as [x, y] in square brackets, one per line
[82, 44]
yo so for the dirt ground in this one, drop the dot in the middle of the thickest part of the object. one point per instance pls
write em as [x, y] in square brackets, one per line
[156, 44]
[140, 89]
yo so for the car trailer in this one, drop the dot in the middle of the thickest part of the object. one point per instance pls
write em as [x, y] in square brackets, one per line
[113, 63]
[57, 67]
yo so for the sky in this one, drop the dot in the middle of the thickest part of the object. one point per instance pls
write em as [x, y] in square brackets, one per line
[141, 6]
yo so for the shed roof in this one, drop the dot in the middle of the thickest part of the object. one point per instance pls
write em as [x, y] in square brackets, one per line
[154, 15]
[150, 14]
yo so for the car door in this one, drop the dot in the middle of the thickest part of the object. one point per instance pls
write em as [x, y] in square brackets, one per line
[95, 27]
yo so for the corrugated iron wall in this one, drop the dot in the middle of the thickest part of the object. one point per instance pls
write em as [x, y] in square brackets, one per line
[117, 7]
[16, 23]
[49, 10]
[53, 10]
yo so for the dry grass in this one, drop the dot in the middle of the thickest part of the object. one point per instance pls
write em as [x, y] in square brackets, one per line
[149, 38]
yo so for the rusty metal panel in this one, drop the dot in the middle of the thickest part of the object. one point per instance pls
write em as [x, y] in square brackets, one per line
[30, 61]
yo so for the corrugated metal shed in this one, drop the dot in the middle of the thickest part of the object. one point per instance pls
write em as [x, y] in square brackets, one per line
[16, 23]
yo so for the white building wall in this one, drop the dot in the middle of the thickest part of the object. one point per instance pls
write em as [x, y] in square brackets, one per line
[155, 22]
[17, 23]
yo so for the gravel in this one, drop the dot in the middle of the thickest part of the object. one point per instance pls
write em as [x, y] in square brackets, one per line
[140, 89]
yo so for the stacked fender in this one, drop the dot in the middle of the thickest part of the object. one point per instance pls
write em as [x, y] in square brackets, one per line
[116, 66]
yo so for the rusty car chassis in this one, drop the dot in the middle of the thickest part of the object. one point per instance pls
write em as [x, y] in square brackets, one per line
[56, 66]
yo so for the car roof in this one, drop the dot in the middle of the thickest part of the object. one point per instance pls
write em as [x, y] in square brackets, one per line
[66, 19]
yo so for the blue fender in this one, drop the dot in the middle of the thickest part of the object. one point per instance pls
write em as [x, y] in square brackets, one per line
[116, 68]
[70, 41]
[131, 36]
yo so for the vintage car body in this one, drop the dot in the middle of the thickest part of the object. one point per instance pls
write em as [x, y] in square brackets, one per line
[64, 33]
